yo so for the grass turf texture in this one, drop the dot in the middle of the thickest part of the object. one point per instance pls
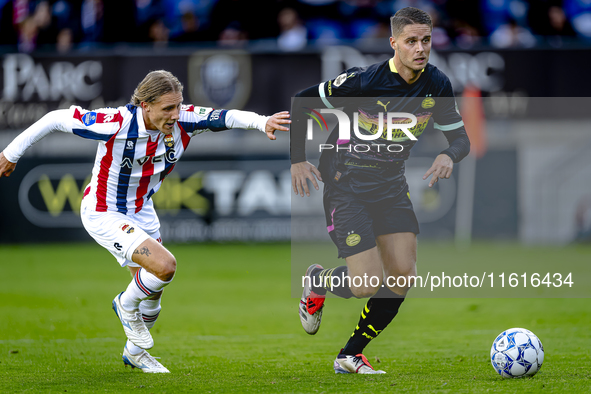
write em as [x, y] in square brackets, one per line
[228, 324]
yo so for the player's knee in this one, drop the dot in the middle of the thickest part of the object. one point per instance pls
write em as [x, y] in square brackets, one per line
[168, 269]
[402, 274]
[364, 291]
[366, 285]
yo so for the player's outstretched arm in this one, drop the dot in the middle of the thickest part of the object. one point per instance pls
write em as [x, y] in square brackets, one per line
[275, 123]
[442, 167]
[6, 167]
[38, 130]
[219, 120]
[300, 173]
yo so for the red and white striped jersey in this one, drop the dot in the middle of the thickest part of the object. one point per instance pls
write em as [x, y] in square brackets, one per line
[131, 162]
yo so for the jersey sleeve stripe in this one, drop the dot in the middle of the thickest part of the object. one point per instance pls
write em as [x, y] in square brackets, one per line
[323, 96]
[91, 135]
[78, 115]
[109, 118]
[449, 127]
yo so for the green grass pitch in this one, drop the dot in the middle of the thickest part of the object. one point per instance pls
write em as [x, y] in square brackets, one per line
[228, 324]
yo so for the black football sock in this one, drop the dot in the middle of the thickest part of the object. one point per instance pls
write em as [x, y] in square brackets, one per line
[336, 280]
[375, 317]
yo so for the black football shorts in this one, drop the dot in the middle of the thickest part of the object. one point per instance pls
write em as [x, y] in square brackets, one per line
[354, 224]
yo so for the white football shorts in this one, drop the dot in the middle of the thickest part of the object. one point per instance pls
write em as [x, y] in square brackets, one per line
[118, 233]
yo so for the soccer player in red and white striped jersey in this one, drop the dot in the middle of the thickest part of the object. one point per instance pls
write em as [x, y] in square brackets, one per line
[139, 145]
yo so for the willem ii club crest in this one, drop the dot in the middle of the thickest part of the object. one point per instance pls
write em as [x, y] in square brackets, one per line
[127, 228]
[169, 140]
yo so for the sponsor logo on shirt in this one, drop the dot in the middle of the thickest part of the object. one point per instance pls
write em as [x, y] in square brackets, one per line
[215, 115]
[337, 176]
[89, 118]
[340, 79]
[202, 110]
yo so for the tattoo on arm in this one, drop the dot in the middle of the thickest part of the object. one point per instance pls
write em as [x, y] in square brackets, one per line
[144, 251]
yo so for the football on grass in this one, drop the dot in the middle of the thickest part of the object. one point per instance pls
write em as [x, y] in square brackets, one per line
[517, 352]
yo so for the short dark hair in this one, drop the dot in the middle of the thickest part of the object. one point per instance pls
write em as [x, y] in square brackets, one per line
[409, 16]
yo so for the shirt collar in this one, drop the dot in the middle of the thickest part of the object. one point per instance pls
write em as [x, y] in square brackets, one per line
[142, 126]
[392, 66]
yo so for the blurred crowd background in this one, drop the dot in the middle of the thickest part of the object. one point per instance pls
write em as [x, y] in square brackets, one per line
[290, 25]
[508, 61]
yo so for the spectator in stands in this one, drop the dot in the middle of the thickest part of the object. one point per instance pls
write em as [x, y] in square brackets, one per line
[439, 36]
[66, 16]
[559, 25]
[65, 40]
[466, 35]
[294, 23]
[511, 35]
[159, 33]
[148, 10]
[547, 18]
[191, 30]
[579, 13]
[27, 35]
[294, 35]
[465, 24]
[47, 32]
[92, 22]
[370, 30]
[233, 36]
